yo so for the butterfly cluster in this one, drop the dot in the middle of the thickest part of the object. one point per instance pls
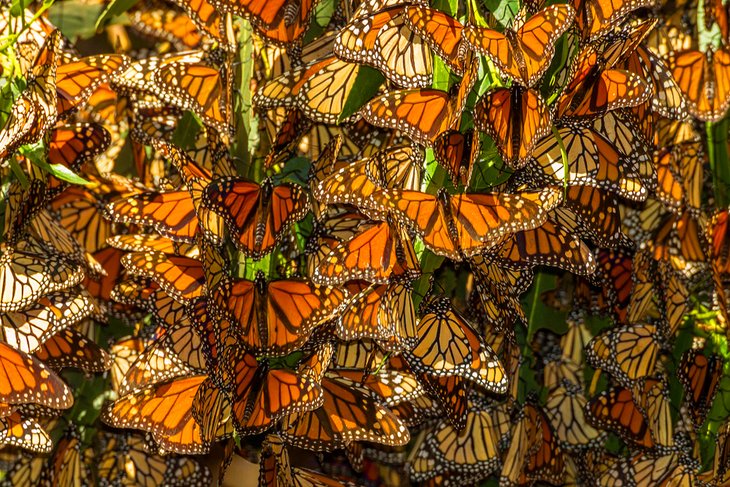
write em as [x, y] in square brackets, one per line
[387, 242]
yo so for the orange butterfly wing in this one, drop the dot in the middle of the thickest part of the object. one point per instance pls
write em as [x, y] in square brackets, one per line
[516, 119]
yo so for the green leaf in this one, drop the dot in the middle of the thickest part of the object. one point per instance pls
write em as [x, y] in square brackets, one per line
[450, 7]
[35, 153]
[18, 6]
[502, 10]
[367, 83]
[564, 50]
[187, 130]
[114, 9]
[296, 171]
[707, 38]
[540, 315]
[245, 120]
[320, 20]
[489, 169]
[75, 18]
[717, 153]
[441, 74]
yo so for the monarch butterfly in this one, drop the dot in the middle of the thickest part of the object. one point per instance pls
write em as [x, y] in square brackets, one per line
[524, 51]
[591, 160]
[386, 42]
[162, 409]
[646, 470]
[422, 114]
[337, 224]
[286, 139]
[124, 352]
[80, 212]
[362, 355]
[140, 242]
[166, 24]
[319, 90]
[69, 348]
[596, 88]
[76, 144]
[516, 118]
[275, 318]
[261, 395]
[29, 272]
[154, 364]
[101, 286]
[565, 408]
[463, 353]
[591, 213]
[702, 77]
[212, 411]
[623, 132]
[615, 410]
[381, 252]
[473, 450]
[125, 457]
[615, 269]
[457, 153]
[200, 88]
[549, 244]
[534, 453]
[78, 79]
[415, 412]
[441, 32]
[26, 330]
[393, 387]
[498, 289]
[275, 469]
[68, 465]
[680, 175]
[700, 376]
[256, 215]
[183, 341]
[394, 167]
[24, 379]
[50, 235]
[25, 433]
[180, 277]
[283, 21]
[717, 232]
[137, 77]
[679, 237]
[667, 98]
[469, 223]
[382, 312]
[216, 337]
[34, 112]
[595, 19]
[627, 352]
[348, 413]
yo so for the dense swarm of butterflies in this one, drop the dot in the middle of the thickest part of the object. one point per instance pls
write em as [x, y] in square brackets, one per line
[301, 232]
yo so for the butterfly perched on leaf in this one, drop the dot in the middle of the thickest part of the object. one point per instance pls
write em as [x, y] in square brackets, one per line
[348, 413]
[448, 346]
[421, 114]
[524, 51]
[386, 41]
[516, 119]
[256, 215]
[276, 318]
[700, 376]
[703, 79]
[469, 223]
